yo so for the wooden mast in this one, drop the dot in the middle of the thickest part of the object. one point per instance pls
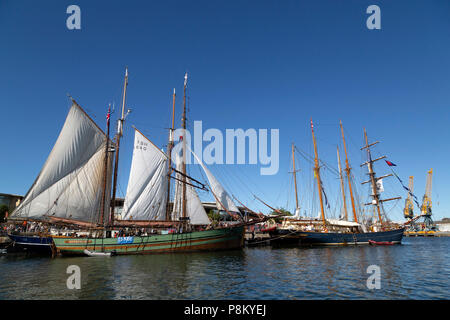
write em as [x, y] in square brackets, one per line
[342, 185]
[105, 172]
[169, 155]
[183, 125]
[295, 179]
[317, 174]
[347, 170]
[118, 136]
[375, 194]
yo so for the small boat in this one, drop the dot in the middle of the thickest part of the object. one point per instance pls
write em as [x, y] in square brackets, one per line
[32, 242]
[381, 243]
[98, 253]
[269, 229]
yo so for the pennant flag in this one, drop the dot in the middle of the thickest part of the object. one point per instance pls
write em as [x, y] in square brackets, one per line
[108, 115]
[325, 195]
[390, 164]
[406, 188]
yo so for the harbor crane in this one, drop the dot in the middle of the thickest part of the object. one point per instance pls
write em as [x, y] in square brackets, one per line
[426, 204]
[408, 211]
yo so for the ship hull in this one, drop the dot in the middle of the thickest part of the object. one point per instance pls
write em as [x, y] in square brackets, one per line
[208, 240]
[334, 238]
[31, 243]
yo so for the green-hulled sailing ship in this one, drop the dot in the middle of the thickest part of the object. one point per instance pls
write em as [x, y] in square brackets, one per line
[82, 165]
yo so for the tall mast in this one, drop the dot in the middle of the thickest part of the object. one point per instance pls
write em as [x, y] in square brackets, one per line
[347, 170]
[342, 185]
[295, 179]
[375, 195]
[373, 180]
[118, 136]
[317, 173]
[183, 125]
[105, 172]
[169, 155]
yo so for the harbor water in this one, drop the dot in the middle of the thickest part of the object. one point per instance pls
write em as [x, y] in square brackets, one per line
[419, 268]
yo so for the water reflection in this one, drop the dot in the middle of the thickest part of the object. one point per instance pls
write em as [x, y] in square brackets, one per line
[418, 269]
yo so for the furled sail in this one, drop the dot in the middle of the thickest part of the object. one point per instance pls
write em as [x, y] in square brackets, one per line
[223, 200]
[194, 207]
[146, 192]
[70, 183]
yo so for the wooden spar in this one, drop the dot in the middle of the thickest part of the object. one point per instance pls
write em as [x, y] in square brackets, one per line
[146, 223]
[317, 173]
[372, 178]
[183, 125]
[54, 220]
[378, 178]
[248, 209]
[365, 163]
[347, 170]
[384, 200]
[118, 136]
[224, 208]
[342, 185]
[105, 172]
[169, 156]
[276, 210]
[295, 179]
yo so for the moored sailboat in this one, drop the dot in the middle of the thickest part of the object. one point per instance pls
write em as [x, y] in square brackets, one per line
[149, 225]
[67, 192]
[325, 231]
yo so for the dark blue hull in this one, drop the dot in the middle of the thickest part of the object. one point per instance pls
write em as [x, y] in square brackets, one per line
[334, 238]
[32, 243]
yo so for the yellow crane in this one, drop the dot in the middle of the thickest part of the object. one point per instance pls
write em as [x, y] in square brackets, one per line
[408, 211]
[426, 203]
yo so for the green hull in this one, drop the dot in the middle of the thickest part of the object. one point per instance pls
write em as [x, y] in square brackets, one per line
[208, 240]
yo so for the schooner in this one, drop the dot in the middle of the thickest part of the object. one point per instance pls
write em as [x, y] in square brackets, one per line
[146, 208]
[72, 196]
[325, 231]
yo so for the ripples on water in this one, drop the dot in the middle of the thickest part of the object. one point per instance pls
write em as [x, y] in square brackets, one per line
[417, 269]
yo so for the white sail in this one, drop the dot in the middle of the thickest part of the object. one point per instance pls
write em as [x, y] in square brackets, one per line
[146, 192]
[222, 198]
[297, 213]
[194, 207]
[70, 184]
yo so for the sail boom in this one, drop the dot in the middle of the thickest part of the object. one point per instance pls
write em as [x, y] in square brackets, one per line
[367, 162]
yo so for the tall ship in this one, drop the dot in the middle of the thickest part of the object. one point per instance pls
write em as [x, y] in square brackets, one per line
[67, 193]
[148, 224]
[325, 231]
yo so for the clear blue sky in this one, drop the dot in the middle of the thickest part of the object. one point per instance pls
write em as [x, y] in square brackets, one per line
[252, 64]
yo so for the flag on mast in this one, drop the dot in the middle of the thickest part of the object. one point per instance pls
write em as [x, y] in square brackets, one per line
[108, 115]
[390, 164]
